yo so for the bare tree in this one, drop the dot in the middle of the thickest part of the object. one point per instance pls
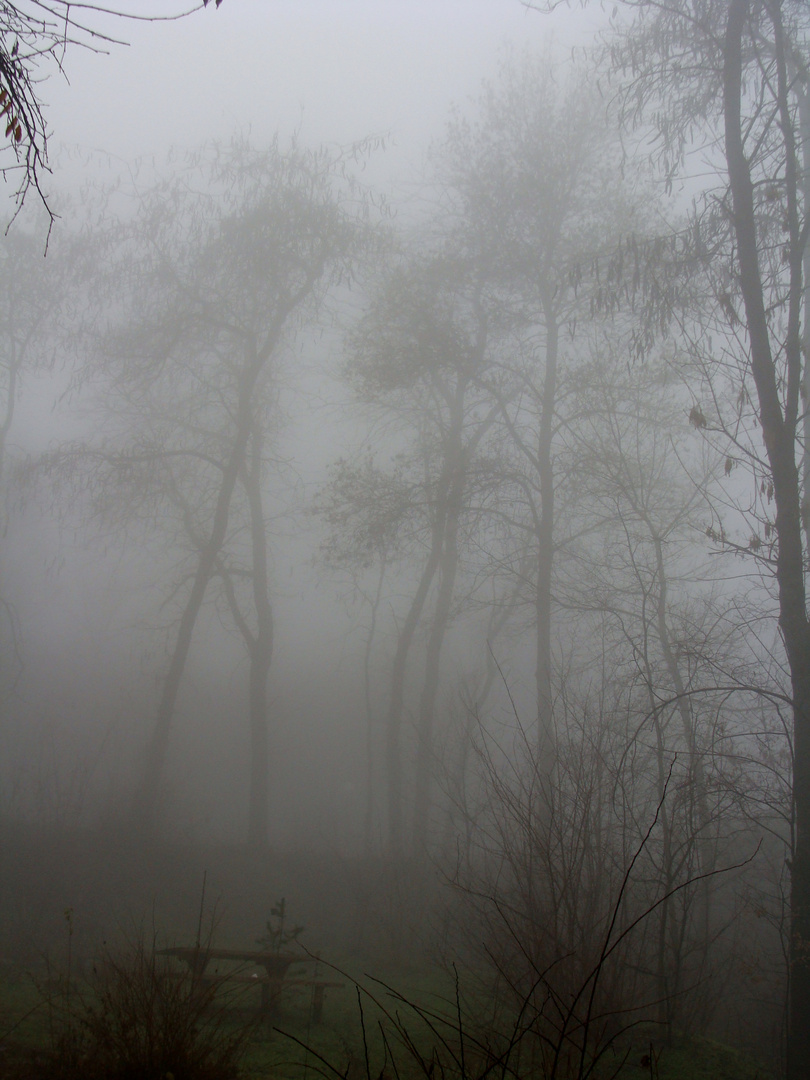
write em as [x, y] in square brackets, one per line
[368, 511]
[724, 74]
[212, 279]
[416, 357]
[645, 475]
[537, 196]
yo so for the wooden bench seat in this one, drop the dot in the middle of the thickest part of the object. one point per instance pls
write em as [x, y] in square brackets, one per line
[272, 988]
[272, 978]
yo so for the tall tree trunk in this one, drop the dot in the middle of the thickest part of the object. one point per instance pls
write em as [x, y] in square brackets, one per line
[546, 736]
[779, 435]
[393, 747]
[261, 656]
[642, 651]
[147, 797]
[703, 842]
[368, 815]
[473, 703]
[697, 791]
[804, 115]
[441, 619]
[10, 402]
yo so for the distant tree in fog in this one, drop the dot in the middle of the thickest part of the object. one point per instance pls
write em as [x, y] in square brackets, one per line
[202, 289]
[30, 294]
[366, 508]
[415, 359]
[670, 630]
[31, 290]
[536, 194]
[730, 76]
[473, 344]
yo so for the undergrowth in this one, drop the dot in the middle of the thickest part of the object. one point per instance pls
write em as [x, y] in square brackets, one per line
[134, 1019]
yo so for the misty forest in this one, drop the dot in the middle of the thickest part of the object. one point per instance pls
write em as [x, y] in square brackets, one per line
[404, 649]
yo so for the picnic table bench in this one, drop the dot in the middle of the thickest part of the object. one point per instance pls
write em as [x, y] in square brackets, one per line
[275, 964]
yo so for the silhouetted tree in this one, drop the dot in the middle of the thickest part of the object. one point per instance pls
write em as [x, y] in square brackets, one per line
[416, 356]
[535, 185]
[728, 74]
[211, 282]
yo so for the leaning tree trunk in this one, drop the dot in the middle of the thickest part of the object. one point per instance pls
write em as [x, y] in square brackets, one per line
[396, 706]
[779, 430]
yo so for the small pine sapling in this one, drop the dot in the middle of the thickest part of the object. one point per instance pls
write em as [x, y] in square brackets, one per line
[277, 937]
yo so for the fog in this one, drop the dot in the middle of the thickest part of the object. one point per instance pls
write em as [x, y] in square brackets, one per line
[399, 518]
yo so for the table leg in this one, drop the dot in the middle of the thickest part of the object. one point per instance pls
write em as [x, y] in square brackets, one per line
[271, 990]
[318, 991]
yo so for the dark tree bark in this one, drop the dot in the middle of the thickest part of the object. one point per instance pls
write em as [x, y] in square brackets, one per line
[779, 431]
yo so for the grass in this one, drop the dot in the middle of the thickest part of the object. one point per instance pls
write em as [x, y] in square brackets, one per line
[117, 1027]
[696, 1059]
[337, 1048]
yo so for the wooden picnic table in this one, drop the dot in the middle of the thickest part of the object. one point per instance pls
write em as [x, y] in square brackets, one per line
[275, 964]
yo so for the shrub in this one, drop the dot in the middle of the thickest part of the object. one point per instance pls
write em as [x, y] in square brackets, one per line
[136, 1020]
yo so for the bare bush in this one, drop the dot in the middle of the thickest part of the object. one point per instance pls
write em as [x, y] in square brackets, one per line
[135, 1019]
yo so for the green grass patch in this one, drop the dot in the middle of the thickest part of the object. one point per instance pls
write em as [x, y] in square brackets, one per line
[692, 1059]
[403, 1026]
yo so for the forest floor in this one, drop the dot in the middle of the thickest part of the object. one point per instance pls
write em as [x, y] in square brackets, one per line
[368, 1030]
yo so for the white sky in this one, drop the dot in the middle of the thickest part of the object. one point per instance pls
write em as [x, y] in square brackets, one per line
[339, 69]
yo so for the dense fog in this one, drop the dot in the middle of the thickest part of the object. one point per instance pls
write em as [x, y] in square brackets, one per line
[404, 503]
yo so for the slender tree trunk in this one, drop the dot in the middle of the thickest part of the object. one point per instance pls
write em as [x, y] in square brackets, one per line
[458, 454]
[393, 748]
[441, 619]
[704, 843]
[473, 705]
[148, 795]
[804, 114]
[779, 434]
[5, 426]
[696, 769]
[10, 402]
[662, 967]
[546, 736]
[368, 816]
[261, 656]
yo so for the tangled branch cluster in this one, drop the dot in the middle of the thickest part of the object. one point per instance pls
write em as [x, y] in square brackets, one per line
[34, 36]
